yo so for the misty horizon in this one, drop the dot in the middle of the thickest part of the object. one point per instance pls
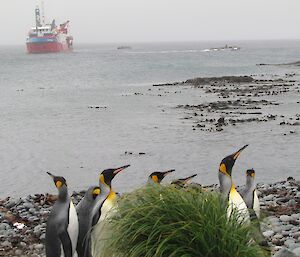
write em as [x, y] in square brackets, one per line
[221, 41]
[157, 21]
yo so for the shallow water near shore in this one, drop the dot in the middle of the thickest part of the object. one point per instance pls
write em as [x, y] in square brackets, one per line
[49, 119]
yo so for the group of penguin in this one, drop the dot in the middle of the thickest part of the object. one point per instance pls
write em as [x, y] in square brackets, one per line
[69, 229]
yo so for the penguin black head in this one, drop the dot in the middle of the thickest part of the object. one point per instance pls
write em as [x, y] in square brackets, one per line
[158, 176]
[250, 173]
[227, 163]
[58, 181]
[107, 175]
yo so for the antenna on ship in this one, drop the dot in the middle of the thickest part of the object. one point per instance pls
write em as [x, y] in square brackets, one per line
[37, 17]
[43, 12]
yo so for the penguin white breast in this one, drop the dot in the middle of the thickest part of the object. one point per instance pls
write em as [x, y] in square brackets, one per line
[256, 205]
[107, 208]
[73, 227]
[237, 202]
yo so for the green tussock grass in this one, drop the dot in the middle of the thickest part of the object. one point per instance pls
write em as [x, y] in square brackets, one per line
[164, 221]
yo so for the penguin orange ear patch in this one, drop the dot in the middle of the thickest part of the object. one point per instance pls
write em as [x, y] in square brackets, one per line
[58, 184]
[155, 178]
[96, 191]
[102, 179]
[223, 169]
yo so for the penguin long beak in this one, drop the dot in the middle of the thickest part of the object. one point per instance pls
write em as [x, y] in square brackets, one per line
[237, 154]
[168, 172]
[189, 178]
[51, 175]
[117, 170]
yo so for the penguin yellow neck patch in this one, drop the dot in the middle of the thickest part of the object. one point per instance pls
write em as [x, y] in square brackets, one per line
[58, 184]
[112, 196]
[232, 189]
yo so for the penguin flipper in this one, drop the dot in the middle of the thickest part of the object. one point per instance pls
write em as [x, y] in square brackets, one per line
[96, 217]
[87, 250]
[66, 243]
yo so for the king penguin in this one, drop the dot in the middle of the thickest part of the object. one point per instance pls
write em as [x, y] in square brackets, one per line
[105, 180]
[157, 177]
[227, 187]
[182, 181]
[104, 207]
[62, 224]
[249, 193]
[85, 212]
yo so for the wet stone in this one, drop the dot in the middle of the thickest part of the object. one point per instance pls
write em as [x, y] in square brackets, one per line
[285, 253]
[294, 246]
[6, 244]
[28, 205]
[268, 233]
[277, 229]
[289, 242]
[285, 218]
[23, 244]
[38, 246]
[296, 215]
[297, 251]
[18, 252]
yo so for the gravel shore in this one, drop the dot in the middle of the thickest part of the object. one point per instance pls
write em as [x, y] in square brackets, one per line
[23, 221]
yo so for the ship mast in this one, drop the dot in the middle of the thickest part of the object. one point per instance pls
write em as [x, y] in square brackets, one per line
[37, 17]
[43, 13]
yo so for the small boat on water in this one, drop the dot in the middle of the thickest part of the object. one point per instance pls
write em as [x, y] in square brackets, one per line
[226, 47]
[124, 47]
[48, 38]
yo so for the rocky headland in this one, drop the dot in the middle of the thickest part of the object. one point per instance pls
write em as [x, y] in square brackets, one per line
[233, 100]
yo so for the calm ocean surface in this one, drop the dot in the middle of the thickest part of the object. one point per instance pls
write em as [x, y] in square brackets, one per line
[46, 123]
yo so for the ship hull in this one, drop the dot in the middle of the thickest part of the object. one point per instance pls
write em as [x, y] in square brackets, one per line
[42, 45]
[39, 48]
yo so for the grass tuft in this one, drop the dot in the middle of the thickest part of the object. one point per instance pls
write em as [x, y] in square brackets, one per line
[164, 221]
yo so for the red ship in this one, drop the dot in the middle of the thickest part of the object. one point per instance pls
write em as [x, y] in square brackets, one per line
[48, 38]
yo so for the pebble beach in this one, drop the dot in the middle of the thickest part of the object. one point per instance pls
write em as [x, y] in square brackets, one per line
[23, 220]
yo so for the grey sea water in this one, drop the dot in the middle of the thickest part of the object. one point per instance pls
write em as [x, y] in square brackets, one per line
[46, 123]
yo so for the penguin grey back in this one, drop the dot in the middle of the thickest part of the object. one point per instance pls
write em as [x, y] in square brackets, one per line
[89, 212]
[249, 193]
[84, 211]
[96, 212]
[57, 234]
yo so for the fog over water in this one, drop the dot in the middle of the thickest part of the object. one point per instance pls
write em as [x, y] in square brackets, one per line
[156, 20]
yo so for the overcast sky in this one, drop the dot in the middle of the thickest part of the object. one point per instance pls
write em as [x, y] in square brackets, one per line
[96, 21]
